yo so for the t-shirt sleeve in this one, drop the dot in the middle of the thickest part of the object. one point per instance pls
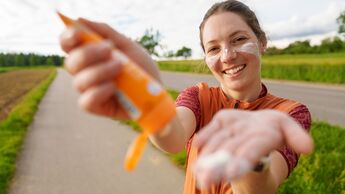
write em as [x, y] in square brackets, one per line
[302, 115]
[189, 98]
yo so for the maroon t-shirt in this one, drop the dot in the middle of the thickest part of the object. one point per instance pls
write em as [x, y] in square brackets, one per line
[190, 98]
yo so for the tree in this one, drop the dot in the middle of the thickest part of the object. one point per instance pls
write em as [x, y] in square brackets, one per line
[150, 40]
[341, 22]
[169, 54]
[184, 52]
[298, 47]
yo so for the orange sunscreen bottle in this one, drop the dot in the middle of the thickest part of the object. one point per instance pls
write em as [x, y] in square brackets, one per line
[140, 95]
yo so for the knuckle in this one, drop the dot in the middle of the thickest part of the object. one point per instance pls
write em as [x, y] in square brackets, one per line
[78, 84]
[87, 103]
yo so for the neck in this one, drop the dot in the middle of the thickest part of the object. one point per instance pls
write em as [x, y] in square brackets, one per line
[248, 94]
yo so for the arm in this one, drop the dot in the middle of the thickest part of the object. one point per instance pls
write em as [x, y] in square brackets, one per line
[282, 163]
[251, 135]
[188, 112]
[174, 137]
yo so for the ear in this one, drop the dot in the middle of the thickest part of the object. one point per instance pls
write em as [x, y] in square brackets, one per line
[263, 46]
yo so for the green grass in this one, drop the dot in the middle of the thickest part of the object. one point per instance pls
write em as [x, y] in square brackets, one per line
[321, 172]
[324, 170]
[6, 69]
[323, 68]
[13, 129]
[13, 68]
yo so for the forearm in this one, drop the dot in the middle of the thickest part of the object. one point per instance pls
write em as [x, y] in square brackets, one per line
[170, 139]
[255, 183]
[265, 182]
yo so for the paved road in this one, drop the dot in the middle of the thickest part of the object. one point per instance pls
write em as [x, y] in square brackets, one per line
[326, 103]
[68, 151]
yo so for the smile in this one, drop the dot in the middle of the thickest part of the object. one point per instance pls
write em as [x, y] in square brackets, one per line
[234, 70]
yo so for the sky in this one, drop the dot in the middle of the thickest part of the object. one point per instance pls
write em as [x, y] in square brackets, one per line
[32, 25]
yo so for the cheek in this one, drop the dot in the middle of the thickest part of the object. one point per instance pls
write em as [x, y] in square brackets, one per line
[249, 48]
[212, 61]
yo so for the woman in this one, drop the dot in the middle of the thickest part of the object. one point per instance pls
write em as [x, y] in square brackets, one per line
[225, 146]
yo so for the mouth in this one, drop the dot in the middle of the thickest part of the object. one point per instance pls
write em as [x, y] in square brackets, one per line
[234, 70]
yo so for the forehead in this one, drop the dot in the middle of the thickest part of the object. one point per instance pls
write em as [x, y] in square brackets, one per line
[222, 25]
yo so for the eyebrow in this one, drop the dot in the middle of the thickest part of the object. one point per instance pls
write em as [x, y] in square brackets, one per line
[232, 34]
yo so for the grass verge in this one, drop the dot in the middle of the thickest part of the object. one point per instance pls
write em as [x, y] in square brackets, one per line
[324, 170]
[13, 130]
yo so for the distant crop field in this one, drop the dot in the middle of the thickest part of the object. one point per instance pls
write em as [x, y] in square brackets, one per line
[306, 59]
[325, 68]
[15, 84]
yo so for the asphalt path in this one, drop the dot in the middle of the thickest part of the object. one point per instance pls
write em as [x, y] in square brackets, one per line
[325, 102]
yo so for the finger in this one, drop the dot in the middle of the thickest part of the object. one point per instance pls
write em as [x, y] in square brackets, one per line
[87, 55]
[255, 148]
[236, 168]
[296, 137]
[209, 169]
[131, 48]
[234, 143]
[94, 98]
[222, 138]
[221, 120]
[216, 141]
[97, 74]
[70, 39]
[120, 41]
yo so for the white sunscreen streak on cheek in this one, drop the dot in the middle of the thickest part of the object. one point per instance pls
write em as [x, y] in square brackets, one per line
[250, 48]
[211, 61]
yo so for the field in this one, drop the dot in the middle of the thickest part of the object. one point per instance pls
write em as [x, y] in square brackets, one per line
[324, 68]
[21, 92]
[15, 84]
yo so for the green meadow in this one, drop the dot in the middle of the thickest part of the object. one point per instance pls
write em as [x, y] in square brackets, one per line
[319, 68]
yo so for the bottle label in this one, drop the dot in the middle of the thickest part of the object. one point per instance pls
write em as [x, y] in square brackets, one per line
[154, 88]
[128, 105]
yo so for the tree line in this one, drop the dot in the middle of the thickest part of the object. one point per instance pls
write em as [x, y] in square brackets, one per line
[27, 60]
[328, 45]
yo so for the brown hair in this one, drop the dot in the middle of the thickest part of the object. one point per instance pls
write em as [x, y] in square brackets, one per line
[239, 8]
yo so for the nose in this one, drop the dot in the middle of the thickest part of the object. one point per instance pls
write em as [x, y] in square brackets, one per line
[228, 54]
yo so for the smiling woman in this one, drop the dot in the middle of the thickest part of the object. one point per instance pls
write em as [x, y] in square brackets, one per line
[234, 125]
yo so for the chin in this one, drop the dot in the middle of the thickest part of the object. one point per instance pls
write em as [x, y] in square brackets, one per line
[234, 85]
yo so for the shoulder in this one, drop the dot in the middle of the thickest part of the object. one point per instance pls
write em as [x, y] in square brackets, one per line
[302, 115]
[188, 94]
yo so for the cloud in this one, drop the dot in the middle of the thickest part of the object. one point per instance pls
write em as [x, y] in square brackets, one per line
[298, 26]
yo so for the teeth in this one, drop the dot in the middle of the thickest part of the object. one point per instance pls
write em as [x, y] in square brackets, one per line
[234, 70]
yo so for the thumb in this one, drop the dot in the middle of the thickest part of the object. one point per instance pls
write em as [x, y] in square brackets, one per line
[296, 137]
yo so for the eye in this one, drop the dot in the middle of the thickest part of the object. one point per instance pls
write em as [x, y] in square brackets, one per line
[240, 39]
[212, 50]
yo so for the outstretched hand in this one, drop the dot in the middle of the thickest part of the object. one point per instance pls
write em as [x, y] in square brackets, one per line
[94, 66]
[235, 140]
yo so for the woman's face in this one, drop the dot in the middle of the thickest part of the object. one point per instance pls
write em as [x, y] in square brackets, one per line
[232, 51]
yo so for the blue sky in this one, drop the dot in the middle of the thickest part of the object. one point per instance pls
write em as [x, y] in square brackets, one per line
[32, 26]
